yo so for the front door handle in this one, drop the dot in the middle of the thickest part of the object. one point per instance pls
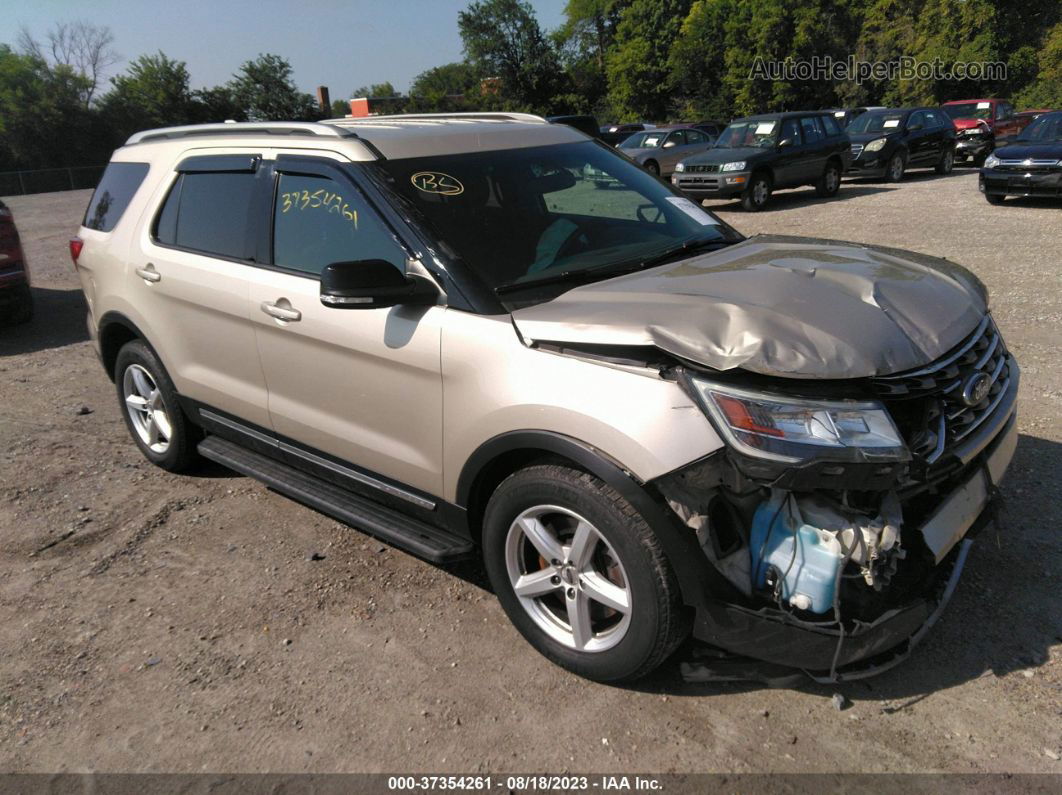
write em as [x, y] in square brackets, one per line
[148, 273]
[281, 312]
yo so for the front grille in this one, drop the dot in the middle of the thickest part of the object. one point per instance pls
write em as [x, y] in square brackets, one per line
[1030, 166]
[932, 405]
[705, 168]
[857, 150]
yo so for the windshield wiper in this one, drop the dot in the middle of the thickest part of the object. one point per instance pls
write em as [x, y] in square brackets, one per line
[605, 271]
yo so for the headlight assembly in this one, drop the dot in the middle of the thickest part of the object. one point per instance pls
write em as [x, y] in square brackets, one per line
[875, 145]
[737, 165]
[991, 161]
[796, 430]
[680, 167]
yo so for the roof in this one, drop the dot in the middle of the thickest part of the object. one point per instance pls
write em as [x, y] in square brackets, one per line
[393, 137]
[788, 114]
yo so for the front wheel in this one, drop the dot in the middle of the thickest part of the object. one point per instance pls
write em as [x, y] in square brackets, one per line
[995, 198]
[897, 165]
[580, 574]
[757, 194]
[152, 414]
[830, 181]
[653, 168]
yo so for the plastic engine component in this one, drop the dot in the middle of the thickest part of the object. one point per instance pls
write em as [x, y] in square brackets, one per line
[802, 558]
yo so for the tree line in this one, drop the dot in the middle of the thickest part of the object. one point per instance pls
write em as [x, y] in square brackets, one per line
[622, 60]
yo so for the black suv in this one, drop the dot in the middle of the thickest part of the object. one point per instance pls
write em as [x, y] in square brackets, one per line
[885, 143]
[760, 154]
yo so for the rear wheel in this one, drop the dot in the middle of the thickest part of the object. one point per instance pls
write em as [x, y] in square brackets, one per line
[947, 162]
[580, 574]
[152, 414]
[758, 193]
[897, 165]
[830, 181]
[23, 309]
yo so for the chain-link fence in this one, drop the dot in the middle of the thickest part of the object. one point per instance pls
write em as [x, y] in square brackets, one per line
[46, 180]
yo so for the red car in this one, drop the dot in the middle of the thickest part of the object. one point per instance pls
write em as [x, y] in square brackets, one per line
[16, 302]
[978, 123]
[1027, 117]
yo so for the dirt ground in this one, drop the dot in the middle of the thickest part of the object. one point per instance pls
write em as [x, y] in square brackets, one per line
[150, 622]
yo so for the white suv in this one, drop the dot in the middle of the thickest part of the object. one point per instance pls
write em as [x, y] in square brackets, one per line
[436, 330]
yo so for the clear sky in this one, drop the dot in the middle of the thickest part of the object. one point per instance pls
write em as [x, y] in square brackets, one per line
[342, 45]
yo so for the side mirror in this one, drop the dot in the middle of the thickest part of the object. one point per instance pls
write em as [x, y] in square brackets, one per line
[916, 126]
[372, 284]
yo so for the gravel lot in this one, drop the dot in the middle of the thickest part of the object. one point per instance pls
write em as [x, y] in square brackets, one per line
[159, 623]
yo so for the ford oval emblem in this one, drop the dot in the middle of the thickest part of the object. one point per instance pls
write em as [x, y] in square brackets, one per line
[976, 389]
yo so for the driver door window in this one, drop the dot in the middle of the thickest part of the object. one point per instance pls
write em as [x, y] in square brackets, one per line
[317, 221]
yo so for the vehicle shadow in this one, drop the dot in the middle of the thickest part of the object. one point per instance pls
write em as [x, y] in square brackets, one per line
[58, 320]
[803, 196]
[1004, 617]
[921, 175]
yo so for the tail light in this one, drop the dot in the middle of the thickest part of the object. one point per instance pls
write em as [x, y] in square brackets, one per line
[76, 244]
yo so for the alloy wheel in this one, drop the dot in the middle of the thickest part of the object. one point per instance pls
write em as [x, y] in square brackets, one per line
[896, 168]
[759, 192]
[146, 408]
[832, 179]
[568, 578]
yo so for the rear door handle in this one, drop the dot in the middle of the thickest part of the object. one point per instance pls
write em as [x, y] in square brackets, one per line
[281, 312]
[148, 273]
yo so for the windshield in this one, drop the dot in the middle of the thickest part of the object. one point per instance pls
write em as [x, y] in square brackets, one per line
[1044, 129]
[877, 122]
[740, 134]
[645, 140]
[518, 216]
[969, 110]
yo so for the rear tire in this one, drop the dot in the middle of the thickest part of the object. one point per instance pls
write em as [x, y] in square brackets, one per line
[830, 181]
[152, 413]
[567, 541]
[758, 193]
[23, 312]
[947, 162]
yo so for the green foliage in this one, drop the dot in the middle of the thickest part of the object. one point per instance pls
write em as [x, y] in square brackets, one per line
[264, 90]
[504, 44]
[43, 119]
[154, 92]
[1045, 91]
[637, 65]
[444, 88]
[378, 90]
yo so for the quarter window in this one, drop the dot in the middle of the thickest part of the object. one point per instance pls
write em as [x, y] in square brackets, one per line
[117, 186]
[318, 221]
[208, 212]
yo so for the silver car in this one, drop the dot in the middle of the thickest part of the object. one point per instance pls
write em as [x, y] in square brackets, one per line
[659, 150]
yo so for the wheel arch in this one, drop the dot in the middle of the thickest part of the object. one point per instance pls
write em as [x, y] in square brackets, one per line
[501, 456]
[115, 330]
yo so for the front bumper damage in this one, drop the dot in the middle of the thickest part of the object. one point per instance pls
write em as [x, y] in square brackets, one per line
[761, 640]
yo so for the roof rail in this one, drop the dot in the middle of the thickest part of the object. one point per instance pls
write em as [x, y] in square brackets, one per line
[466, 116]
[242, 128]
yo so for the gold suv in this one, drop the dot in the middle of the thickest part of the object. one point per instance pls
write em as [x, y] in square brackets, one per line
[437, 330]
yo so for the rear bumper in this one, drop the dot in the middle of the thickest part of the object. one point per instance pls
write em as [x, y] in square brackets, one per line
[866, 648]
[1018, 183]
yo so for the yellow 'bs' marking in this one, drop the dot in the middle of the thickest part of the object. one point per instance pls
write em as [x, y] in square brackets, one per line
[437, 182]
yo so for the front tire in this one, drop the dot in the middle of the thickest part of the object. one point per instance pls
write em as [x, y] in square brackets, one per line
[580, 574]
[830, 181]
[897, 165]
[758, 193]
[152, 413]
[995, 198]
[653, 168]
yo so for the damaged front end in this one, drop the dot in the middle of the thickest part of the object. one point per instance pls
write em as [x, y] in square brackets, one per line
[840, 513]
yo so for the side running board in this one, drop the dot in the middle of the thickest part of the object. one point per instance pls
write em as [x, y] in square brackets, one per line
[387, 524]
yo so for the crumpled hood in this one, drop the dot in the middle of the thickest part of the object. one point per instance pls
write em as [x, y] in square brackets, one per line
[785, 306]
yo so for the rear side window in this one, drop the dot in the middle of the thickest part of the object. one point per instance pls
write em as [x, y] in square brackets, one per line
[208, 212]
[117, 186]
[812, 129]
[831, 126]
